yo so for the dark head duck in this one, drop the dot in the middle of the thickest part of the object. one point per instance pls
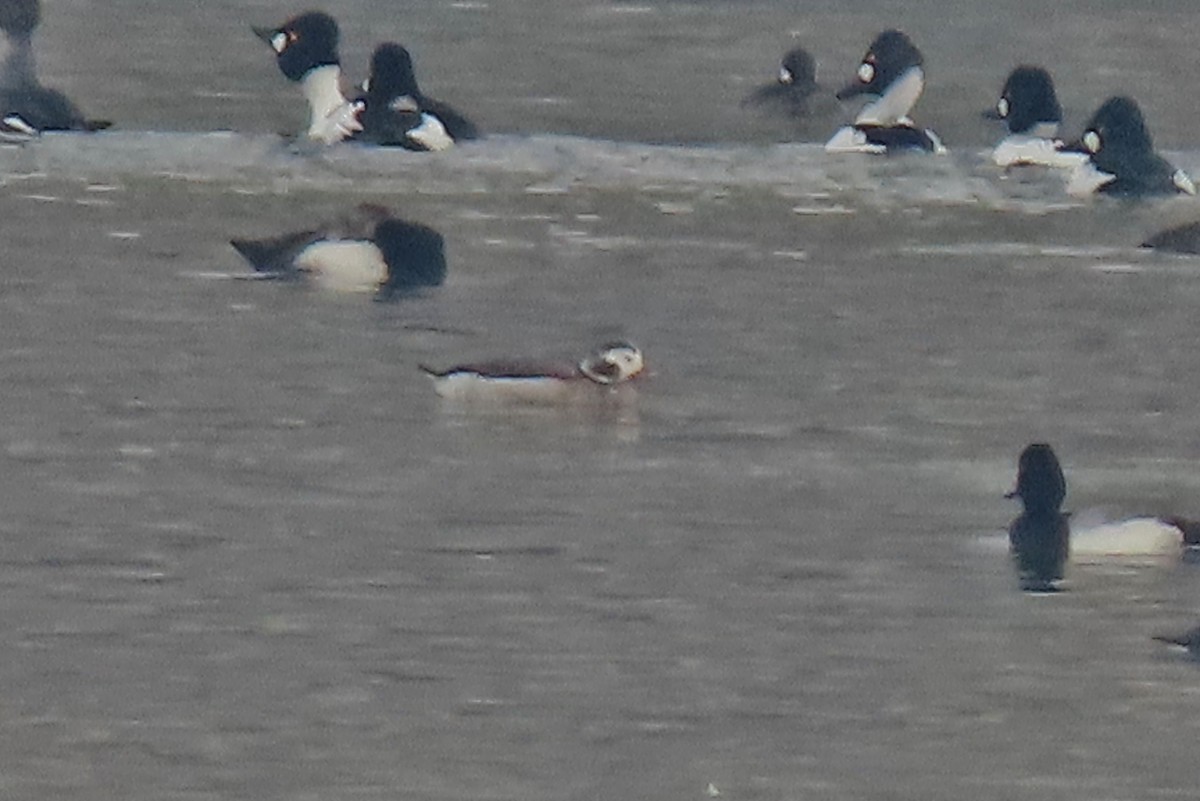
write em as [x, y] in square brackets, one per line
[795, 86]
[306, 51]
[1039, 537]
[397, 113]
[367, 250]
[892, 71]
[1120, 156]
[27, 107]
[1029, 108]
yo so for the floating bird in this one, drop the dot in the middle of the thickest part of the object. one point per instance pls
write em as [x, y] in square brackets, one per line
[26, 107]
[306, 51]
[1121, 159]
[892, 71]
[1029, 108]
[1039, 539]
[367, 250]
[524, 381]
[795, 87]
[397, 113]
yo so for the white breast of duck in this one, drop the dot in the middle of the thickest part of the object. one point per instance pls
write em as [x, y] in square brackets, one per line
[1039, 146]
[890, 110]
[332, 117]
[343, 265]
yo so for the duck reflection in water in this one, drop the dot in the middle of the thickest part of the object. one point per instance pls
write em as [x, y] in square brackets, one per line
[1039, 537]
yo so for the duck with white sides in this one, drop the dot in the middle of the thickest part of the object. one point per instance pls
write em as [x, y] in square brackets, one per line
[892, 71]
[1029, 108]
[1121, 161]
[306, 51]
[601, 375]
[397, 113]
[365, 250]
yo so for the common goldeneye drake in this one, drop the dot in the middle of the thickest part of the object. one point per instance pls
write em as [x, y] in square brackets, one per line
[892, 71]
[1121, 159]
[397, 113]
[791, 92]
[1029, 107]
[523, 381]
[1039, 538]
[306, 51]
[27, 107]
[367, 250]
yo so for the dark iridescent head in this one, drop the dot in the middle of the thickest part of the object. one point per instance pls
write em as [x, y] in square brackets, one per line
[798, 68]
[1027, 100]
[1041, 485]
[889, 56]
[414, 254]
[303, 43]
[1116, 127]
[19, 17]
[392, 73]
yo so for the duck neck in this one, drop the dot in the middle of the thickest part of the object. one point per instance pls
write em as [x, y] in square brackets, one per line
[893, 106]
[323, 90]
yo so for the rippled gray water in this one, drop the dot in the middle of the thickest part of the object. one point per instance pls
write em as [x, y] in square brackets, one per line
[245, 553]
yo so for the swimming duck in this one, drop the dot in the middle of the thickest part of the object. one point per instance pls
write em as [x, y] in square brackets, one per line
[1039, 539]
[1029, 108]
[1189, 640]
[306, 52]
[1120, 156]
[397, 113]
[791, 92]
[524, 381]
[366, 250]
[892, 71]
[26, 107]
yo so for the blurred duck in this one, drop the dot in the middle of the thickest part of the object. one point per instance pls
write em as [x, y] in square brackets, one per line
[1120, 157]
[1180, 239]
[795, 87]
[1029, 108]
[1188, 640]
[367, 250]
[1039, 539]
[892, 71]
[397, 113]
[26, 107]
[529, 382]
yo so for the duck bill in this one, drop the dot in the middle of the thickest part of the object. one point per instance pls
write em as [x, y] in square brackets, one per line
[266, 34]
[991, 114]
[1075, 146]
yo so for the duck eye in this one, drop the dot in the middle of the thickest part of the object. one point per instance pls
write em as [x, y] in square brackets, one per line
[1002, 107]
[280, 41]
[866, 72]
[1091, 140]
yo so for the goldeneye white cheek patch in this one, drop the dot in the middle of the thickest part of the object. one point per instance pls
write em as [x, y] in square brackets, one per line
[785, 75]
[1091, 140]
[866, 72]
[279, 42]
[1002, 107]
